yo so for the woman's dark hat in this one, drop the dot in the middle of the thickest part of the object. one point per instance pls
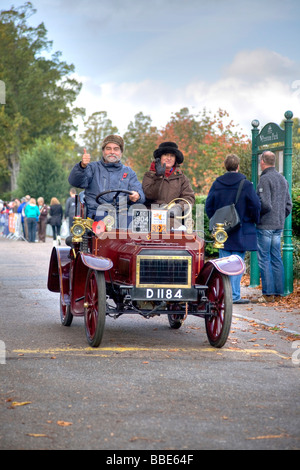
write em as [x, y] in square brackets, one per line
[169, 147]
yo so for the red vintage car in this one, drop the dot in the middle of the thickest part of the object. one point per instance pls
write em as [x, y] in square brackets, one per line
[152, 268]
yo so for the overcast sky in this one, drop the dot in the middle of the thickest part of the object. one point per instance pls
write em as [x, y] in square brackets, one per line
[157, 56]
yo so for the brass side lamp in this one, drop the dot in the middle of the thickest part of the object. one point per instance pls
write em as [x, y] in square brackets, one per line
[220, 236]
[79, 227]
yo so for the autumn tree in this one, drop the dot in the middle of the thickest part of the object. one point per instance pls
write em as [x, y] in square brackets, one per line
[39, 91]
[205, 141]
[185, 130]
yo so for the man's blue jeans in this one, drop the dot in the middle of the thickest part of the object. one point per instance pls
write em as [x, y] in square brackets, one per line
[270, 261]
[235, 280]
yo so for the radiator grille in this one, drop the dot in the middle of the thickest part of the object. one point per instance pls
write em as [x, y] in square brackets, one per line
[163, 271]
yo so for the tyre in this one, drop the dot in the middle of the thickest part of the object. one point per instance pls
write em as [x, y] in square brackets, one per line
[66, 315]
[175, 320]
[94, 307]
[219, 295]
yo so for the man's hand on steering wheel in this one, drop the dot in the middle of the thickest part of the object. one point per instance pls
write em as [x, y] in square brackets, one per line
[134, 196]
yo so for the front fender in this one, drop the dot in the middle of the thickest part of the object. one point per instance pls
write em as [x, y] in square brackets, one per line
[82, 264]
[59, 270]
[230, 265]
[96, 262]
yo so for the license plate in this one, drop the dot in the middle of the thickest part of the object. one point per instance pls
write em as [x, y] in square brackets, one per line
[164, 293]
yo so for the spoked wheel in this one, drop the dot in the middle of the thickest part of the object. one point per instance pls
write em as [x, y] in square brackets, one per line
[66, 315]
[220, 294]
[175, 320]
[94, 307]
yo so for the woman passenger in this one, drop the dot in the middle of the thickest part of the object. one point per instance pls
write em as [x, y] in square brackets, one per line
[165, 180]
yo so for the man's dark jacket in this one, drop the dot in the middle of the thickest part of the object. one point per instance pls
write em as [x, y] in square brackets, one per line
[222, 193]
[100, 176]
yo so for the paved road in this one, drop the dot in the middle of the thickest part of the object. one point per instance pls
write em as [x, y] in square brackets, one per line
[147, 387]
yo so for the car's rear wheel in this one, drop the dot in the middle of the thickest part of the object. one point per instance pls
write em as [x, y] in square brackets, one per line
[66, 315]
[94, 307]
[220, 296]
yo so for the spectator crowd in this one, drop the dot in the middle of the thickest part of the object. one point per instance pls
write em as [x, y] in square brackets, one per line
[27, 219]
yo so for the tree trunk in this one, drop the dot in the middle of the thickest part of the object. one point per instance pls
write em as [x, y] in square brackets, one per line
[14, 171]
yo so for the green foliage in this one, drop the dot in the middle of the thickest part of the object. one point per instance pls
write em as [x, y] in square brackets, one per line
[296, 151]
[199, 209]
[296, 258]
[296, 211]
[39, 91]
[42, 173]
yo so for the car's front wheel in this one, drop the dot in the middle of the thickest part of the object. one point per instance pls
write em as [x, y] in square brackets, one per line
[94, 307]
[220, 296]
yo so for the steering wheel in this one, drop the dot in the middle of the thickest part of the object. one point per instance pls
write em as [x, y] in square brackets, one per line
[118, 191]
[174, 201]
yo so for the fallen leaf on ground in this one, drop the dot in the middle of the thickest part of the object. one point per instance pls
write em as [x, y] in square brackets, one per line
[289, 302]
[14, 404]
[270, 436]
[64, 423]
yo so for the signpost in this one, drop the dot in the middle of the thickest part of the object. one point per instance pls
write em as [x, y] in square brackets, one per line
[273, 137]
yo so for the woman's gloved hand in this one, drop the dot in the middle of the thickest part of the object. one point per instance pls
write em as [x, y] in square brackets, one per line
[160, 170]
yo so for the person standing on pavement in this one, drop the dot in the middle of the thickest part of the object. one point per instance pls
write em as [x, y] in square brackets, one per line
[21, 212]
[222, 193]
[70, 207]
[42, 223]
[24, 219]
[32, 215]
[276, 205]
[56, 215]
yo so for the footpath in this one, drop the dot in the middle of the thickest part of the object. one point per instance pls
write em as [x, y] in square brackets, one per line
[283, 315]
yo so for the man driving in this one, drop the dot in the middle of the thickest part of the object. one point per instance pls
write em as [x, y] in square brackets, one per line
[107, 174]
